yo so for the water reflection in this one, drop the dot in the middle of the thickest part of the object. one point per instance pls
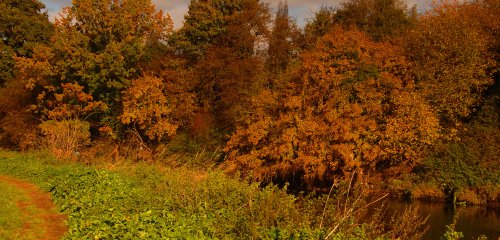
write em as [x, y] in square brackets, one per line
[473, 221]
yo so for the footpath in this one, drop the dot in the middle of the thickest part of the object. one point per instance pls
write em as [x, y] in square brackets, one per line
[53, 226]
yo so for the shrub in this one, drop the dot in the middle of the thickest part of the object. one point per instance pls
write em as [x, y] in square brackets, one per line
[65, 138]
[455, 165]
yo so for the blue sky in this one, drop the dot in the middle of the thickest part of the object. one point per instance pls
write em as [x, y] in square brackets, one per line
[300, 10]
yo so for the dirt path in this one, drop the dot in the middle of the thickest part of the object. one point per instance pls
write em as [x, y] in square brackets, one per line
[52, 222]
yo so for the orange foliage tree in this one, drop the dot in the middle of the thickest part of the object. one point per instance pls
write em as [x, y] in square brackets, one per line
[156, 107]
[345, 108]
[17, 124]
[23, 25]
[63, 113]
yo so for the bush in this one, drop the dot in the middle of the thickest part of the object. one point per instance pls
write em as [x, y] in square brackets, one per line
[65, 138]
[455, 165]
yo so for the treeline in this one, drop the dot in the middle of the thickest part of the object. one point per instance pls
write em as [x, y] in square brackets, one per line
[371, 87]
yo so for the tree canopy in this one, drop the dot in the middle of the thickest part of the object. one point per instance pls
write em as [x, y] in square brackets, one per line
[23, 24]
[97, 45]
[369, 87]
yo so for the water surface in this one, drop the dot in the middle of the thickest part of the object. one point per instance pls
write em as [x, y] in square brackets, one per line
[473, 221]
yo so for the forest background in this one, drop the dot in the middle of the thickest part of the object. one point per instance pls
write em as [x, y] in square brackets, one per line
[400, 102]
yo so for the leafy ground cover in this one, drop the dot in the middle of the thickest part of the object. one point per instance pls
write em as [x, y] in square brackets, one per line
[136, 201]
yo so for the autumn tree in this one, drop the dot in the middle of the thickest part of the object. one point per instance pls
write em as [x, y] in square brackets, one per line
[17, 125]
[64, 124]
[452, 63]
[97, 45]
[161, 103]
[70, 103]
[22, 25]
[346, 109]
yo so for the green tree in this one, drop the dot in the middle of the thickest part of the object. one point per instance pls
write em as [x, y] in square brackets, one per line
[378, 18]
[222, 43]
[283, 41]
[23, 24]
[208, 20]
[452, 59]
[99, 45]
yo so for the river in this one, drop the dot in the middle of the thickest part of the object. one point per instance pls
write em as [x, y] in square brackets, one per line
[473, 221]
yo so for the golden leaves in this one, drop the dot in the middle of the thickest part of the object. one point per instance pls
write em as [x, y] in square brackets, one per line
[150, 103]
[71, 103]
[145, 104]
[64, 138]
[349, 110]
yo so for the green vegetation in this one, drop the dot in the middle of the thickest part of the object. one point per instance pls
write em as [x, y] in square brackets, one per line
[150, 201]
[465, 170]
[456, 168]
[451, 233]
[23, 25]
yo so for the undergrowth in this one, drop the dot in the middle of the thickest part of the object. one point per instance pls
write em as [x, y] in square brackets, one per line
[138, 201]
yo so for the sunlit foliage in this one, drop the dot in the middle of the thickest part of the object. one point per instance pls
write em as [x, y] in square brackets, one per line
[347, 110]
[153, 105]
[367, 89]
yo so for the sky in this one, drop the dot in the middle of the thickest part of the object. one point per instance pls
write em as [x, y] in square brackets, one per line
[301, 10]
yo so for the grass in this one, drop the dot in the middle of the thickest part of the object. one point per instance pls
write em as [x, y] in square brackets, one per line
[13, 220]
[137, 201]
[141, 201]
[10, 216]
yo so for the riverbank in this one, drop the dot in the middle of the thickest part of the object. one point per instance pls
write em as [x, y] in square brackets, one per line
[124, 200]
[471, 220]
[432, 191]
